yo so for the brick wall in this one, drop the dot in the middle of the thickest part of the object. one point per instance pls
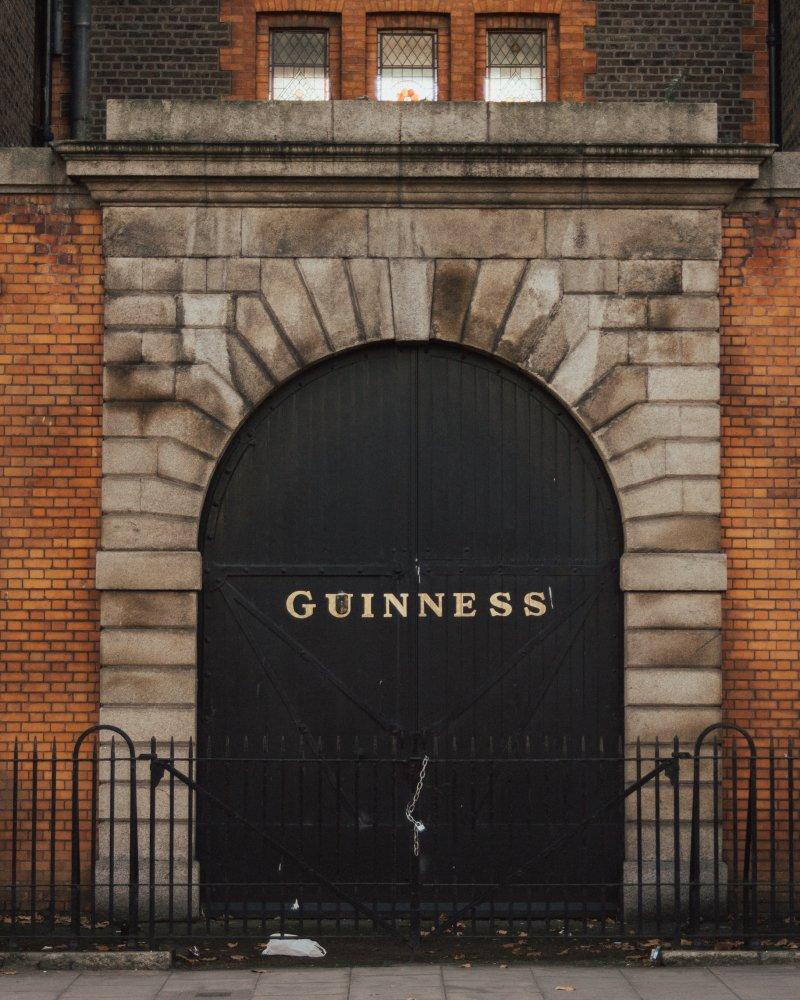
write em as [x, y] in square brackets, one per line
[50, 425]
[144, 48]
[790, 66]
[649, 49]
[16, 72]
[607, 49]
[760, 466]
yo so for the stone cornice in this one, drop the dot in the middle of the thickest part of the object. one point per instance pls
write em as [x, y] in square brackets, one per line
[139, 172]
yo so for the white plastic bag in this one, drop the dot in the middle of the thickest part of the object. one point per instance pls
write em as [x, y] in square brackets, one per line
[294, 947]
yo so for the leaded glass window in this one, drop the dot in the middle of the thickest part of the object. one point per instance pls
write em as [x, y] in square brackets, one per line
[299, 65]
[406, 66]
[515, 66]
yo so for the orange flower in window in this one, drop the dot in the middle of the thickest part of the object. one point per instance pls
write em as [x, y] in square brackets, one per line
[408, 94]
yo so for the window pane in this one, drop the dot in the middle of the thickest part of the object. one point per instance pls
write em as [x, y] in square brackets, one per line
[299, 65]
[407, 66]
[515, 66]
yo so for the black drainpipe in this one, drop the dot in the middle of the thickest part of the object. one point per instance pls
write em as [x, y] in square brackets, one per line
[81, 25]
[42, 133]
[774, 50]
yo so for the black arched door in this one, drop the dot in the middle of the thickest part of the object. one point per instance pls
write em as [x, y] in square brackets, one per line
[408, 548]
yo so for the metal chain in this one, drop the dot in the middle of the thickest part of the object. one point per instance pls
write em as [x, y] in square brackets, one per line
[418, 825]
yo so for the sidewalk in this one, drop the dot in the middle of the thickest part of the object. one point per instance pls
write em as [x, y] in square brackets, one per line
[413, 982]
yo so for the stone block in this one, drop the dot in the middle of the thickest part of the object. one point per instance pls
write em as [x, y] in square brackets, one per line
[684, 312]
[673, 647]
[701, 276]
[172, 231]
[123, 274]
[138, 686]
[286, 294]
[602, 122]
[123, 420]
[495, 286]
[701, 496]
[202, 386]
[151, 609]
[683, 348]
[684, 382]
[328, 287]
[143, 722]
[148, 646]
[256, 327]
[304, 232]
[160, 347]
[673, 533]
[456, 232]
[694, 571]
[193, 274]
[161, 496]
[412, 289]
[537, 296]
[659, 497]
[198, 309]
[668, 610]
[692, 458]
[443, 121]
[184, 424]
[135, 530]
[205, 121]
[667, 721]
[122, 346]
[700, 421]
[138, 382]
[207, 346]
[660, 686]
[591, 276]
[650, 277]
[148, 570]
[568, 324]
[140, 310]
[633, 233]
[642, 465]
[373, 295]
[176, 461]
[366, 121]
[622, 388]
[249, 375]
[641, 424]
[612, 312]
[162, 274]
[588, 361]
[233, 274]
[121, 493]
[453, 285]
[127, 456]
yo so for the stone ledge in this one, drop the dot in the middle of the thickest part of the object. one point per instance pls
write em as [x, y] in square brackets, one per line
[440, 121]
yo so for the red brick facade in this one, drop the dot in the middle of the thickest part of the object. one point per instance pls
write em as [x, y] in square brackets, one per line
[50, 420]
[760, 465]
[461, 25]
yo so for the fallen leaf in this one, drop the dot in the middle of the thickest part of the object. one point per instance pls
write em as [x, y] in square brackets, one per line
[467, 965]
[502, 932]
[232, 944]
[503, 966]
[566, 989]
[238, 958]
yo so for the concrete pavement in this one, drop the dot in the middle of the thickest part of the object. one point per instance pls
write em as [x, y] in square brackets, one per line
[412, 982]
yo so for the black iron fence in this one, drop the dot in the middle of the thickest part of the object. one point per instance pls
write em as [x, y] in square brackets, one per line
[418, 840]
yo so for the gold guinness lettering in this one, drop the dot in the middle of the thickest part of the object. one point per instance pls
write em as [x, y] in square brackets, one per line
[301, 604]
